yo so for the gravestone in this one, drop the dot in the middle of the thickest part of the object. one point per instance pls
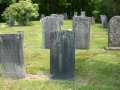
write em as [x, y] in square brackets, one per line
[114, 33]
[11, 55]
[61, 19]
[92, 20]
[11, 21]
[42, 16]
[65, 16]
[82, 13]
[62, 55]
[49, 23]
[104, 21]
[75, 14]
[81, 27]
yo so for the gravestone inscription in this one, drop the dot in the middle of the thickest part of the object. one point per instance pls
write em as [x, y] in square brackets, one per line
[11, 53]
[62, 55]
[81, 27]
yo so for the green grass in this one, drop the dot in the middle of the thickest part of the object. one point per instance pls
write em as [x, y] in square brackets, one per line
[95, 68]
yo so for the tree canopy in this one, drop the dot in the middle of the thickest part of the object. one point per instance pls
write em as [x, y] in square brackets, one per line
[47, 7]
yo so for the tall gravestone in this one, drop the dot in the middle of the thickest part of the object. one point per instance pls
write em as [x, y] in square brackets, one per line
[114, 33]
[104, 21]
[11, 55]
[49, 23]
[81, 27]
[62, 55]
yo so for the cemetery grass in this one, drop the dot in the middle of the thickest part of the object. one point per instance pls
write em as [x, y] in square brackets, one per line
[95, 68]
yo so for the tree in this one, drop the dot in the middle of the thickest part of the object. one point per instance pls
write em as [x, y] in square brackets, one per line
[22, 11]
[114, 5]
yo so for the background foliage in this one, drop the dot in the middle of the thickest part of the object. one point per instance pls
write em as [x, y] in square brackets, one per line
[47, 7]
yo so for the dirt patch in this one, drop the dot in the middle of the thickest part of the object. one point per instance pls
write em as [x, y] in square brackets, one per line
[36, 77]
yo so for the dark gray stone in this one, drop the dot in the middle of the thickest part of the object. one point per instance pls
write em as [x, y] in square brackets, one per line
[114, 32]
[49, 23]
[11, 55]
[81, 27]
[62, 55]
[104, 21]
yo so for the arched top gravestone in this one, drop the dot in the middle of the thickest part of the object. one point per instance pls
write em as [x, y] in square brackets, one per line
[114, 32]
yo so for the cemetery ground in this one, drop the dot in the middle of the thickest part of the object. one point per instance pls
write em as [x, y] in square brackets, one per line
[95, 68]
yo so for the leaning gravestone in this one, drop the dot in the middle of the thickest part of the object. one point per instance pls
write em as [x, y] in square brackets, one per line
[11, 55]
[62, 55]
[104, 21]
[81, 27]
[114, 33]
[49, 23]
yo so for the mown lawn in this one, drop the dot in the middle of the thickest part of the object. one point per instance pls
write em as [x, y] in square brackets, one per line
[95, 68]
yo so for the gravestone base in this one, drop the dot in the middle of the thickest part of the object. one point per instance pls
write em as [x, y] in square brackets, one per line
[112, 48]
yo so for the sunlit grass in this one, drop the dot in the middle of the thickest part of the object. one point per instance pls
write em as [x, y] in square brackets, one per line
[95, 68]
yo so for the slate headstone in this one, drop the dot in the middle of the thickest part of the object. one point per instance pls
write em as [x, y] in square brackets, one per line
[81, 27]
[49, 23]
[11, 53]
[62, 55]
[104, 21]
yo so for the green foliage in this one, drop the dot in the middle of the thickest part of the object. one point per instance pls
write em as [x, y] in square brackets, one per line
[22, 11]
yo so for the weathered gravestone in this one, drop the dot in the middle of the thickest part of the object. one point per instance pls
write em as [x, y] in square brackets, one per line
[62, 55]
[61, 19]
[114, 33]
[104, 21]
[11, 55]
[65, 16]
[49, 23]
[81, 27]
[75, 14]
